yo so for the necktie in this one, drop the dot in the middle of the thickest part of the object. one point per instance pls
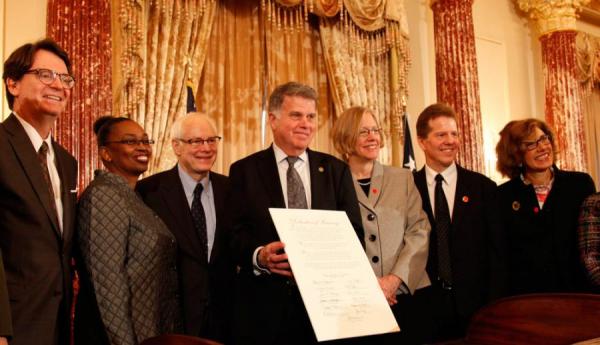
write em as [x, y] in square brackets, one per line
[442, 227]
[295, 188]
[43, 158]
[199, 219]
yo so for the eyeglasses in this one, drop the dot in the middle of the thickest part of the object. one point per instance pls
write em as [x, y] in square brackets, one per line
[195, 142]
[132, 142]
[532, 145]
[364, 132]
[48, 76]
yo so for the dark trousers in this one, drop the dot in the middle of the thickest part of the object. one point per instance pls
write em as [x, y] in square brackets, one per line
[445, 323]
[414, 324]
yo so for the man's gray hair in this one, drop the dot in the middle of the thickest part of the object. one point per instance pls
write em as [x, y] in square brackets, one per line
[290, 89]
[177, 126]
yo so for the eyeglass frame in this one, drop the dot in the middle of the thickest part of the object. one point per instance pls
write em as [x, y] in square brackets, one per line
[132, 142]
[61, 76]
[197, 142]
[532, 145]
[365, 132]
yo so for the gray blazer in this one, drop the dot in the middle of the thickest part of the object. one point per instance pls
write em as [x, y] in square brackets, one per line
[396, 228]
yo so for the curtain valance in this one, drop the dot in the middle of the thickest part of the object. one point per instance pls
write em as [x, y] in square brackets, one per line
[588, 60]
[369, 15]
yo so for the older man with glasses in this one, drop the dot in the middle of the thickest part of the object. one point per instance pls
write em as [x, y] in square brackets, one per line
[38, 179]
[190, 199]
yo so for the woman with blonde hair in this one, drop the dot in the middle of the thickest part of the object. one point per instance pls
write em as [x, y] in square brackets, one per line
[540, 207]
[396, 227]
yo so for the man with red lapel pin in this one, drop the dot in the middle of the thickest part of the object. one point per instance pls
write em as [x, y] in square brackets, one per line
[269, 309]
[467, 246]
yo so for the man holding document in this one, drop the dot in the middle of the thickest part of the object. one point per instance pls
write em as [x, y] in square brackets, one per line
[269, 309]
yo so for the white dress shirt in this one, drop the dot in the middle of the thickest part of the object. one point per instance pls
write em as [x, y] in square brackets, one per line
[206, 198]
[450, 176]
[303, 169]
[301, 166]
[36, 141]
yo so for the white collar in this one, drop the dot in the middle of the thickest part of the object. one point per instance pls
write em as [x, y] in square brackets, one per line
[449, 174]
[34, 136]
[281, 156]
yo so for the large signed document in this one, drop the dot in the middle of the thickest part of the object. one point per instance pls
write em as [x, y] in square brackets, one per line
[337, 284]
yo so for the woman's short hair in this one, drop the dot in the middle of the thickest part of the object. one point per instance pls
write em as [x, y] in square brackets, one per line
[103, 127]
[509, 149]
[345, 130]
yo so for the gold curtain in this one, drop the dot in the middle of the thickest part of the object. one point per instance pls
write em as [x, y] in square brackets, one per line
[591, 118]
[294, 52]
[231, 85]
[160, 39]
[364, 45]
[253, 48]
[588, 63]
[359, 72]
[243, 49]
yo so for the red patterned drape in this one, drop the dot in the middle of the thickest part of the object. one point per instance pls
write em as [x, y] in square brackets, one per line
[83, 29]
[456, 74]
[563, 97]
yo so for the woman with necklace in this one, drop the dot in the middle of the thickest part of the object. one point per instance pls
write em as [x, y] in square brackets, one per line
[396, 228]
[540, 207]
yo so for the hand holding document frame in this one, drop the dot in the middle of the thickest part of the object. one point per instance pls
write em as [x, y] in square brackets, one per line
[339, 289]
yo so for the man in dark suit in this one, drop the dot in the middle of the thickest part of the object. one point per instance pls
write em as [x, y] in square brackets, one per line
[268, 306]
[5, 320]
[205, 266]
[466, 260]
[38, 181]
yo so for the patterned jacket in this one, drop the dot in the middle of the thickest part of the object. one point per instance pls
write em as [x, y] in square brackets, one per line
[589, 237]
[129, 257]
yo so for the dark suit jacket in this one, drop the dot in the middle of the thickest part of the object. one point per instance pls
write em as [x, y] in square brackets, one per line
[206, 287]
[264, 302]
[543, 251]
[5, 319]
[36, 255]
[477, 241]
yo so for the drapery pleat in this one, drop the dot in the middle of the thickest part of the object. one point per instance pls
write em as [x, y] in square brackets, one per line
[231, 86]
[296, 54]
[161, 39]
[588, 68]
[591, 118]
[83, 29]
[360, 74]
[243, 49]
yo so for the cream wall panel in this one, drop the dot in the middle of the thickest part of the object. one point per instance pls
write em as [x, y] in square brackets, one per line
[499, 21]
[421, 76]
[21, 21]
[494, 98]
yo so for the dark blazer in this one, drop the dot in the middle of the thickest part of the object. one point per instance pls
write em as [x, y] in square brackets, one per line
[477, 242]
[36, 254]
[265, 302]
[206, 287]
[544, 256]
[5, 319]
